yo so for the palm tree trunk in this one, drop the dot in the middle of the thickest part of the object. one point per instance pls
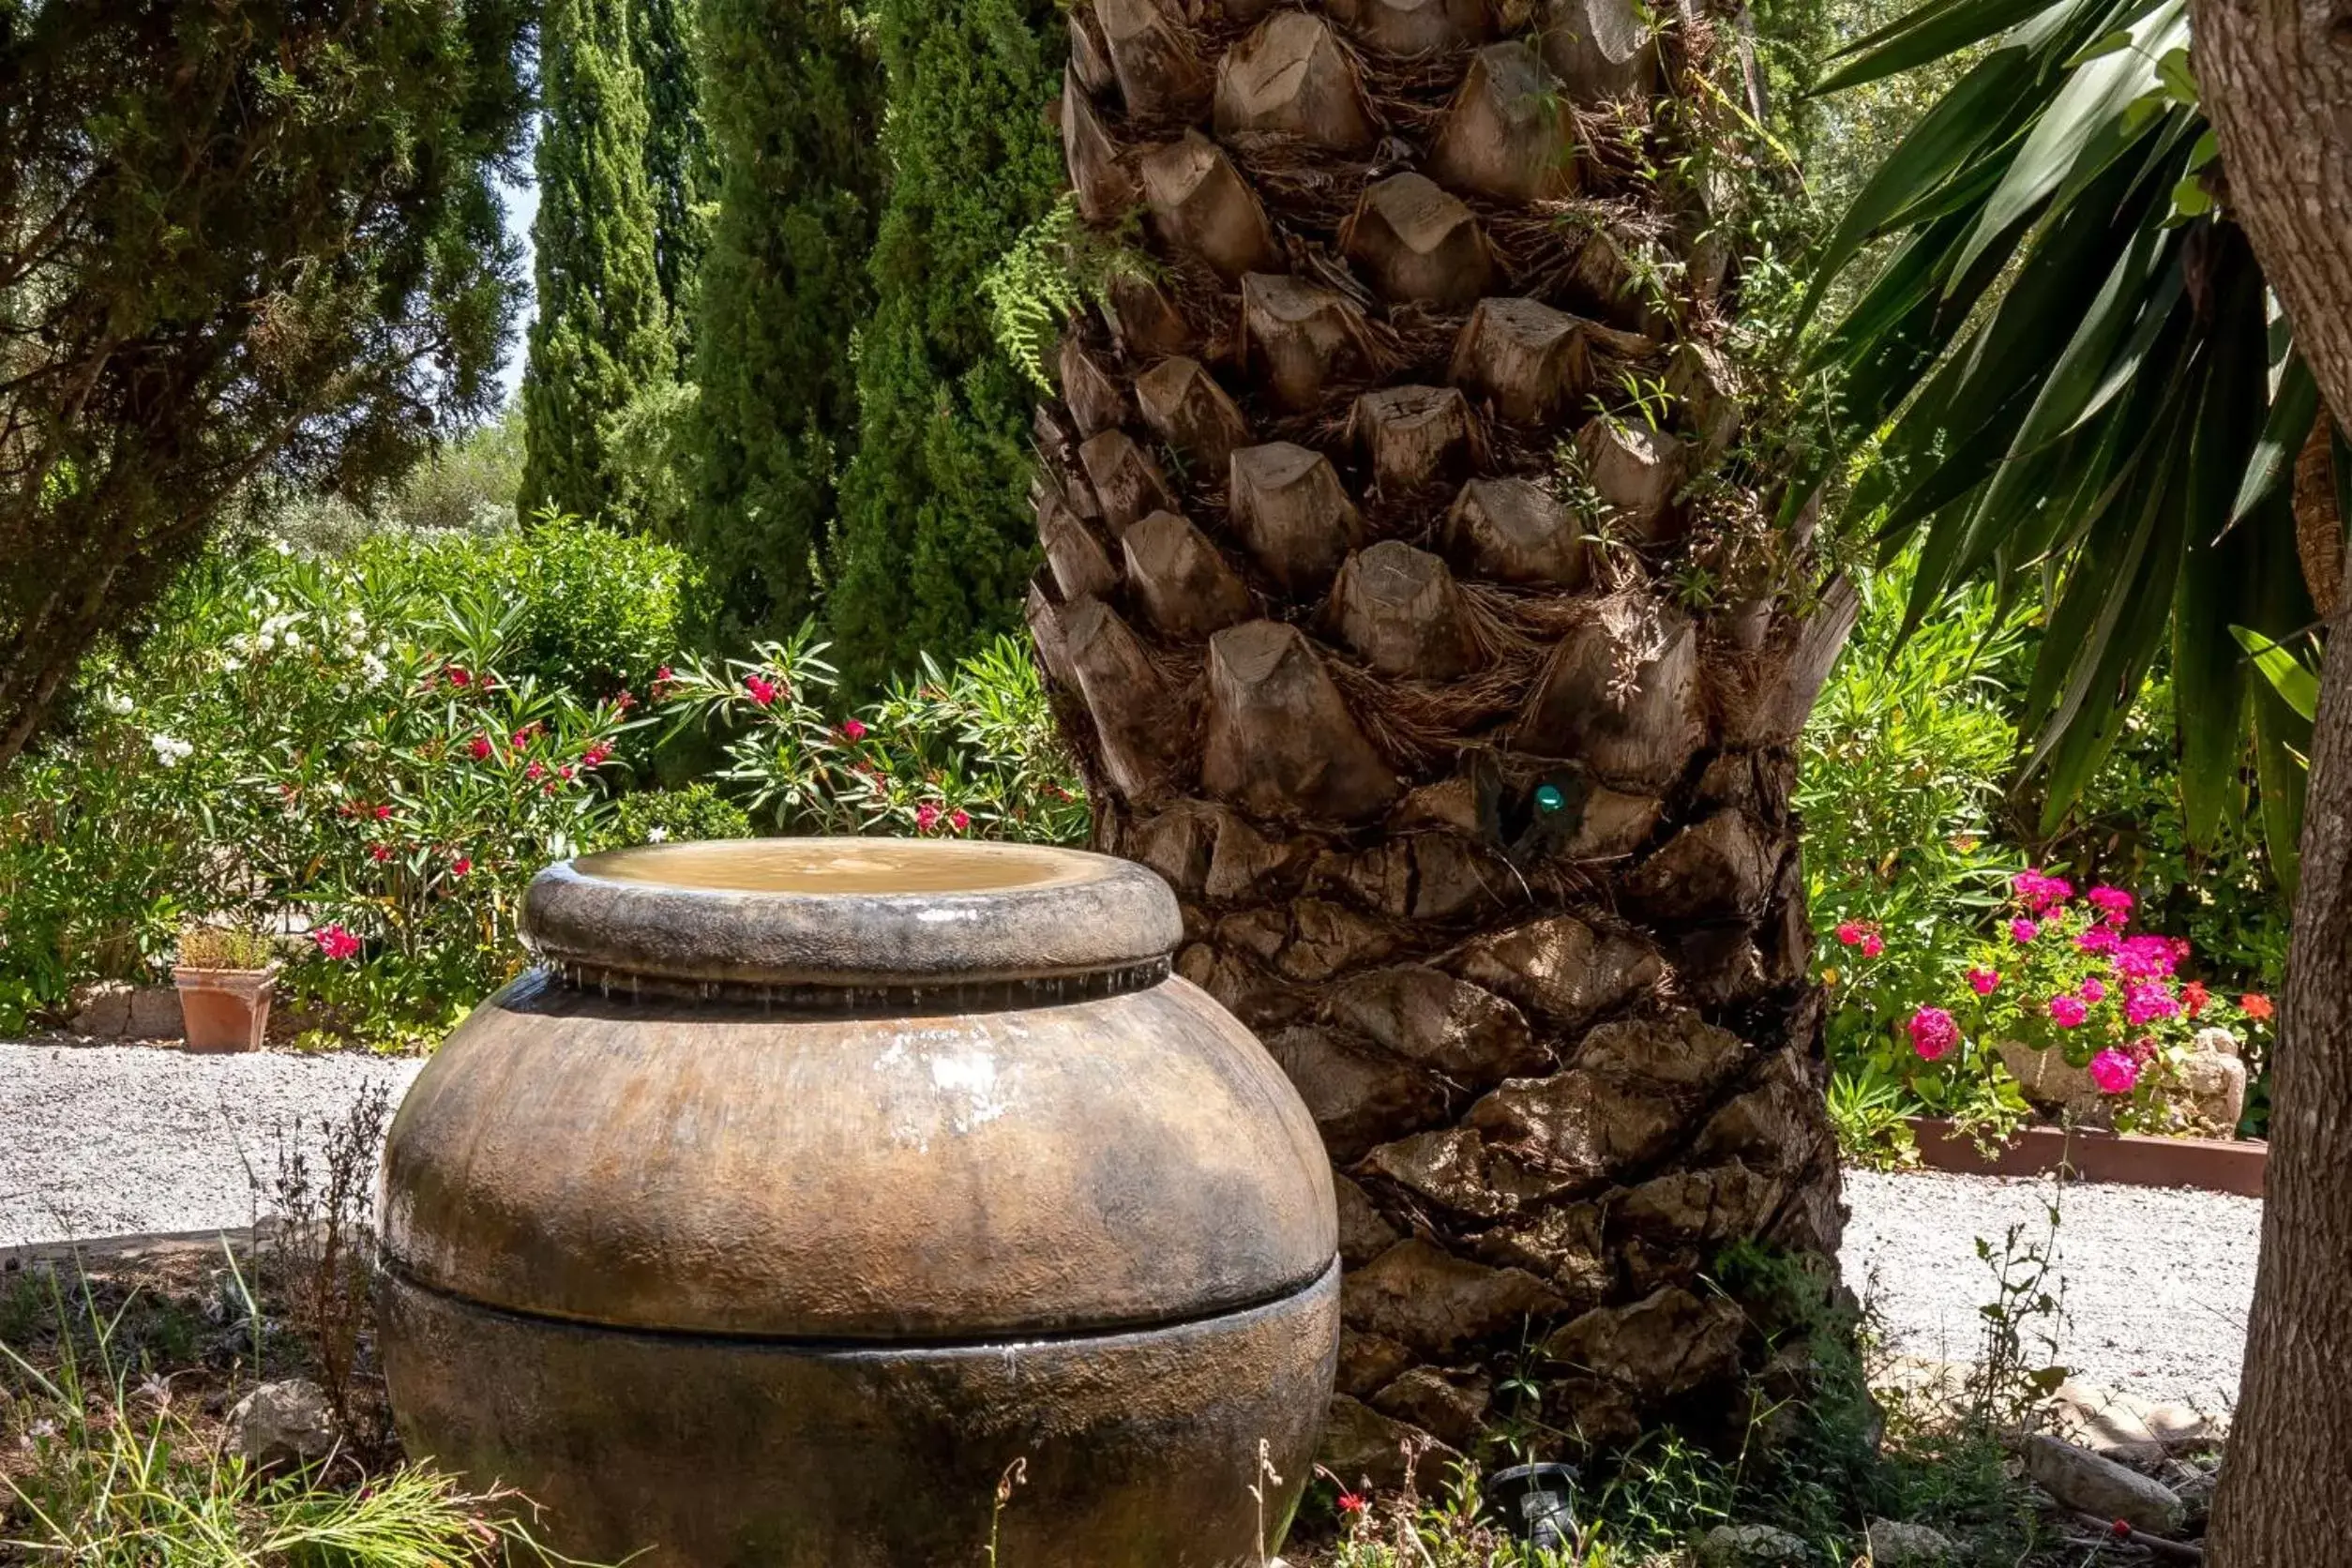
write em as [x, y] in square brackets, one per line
[1362, 506]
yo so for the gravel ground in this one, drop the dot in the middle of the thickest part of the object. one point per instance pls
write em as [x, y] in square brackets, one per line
[101, 1140]
[2156, 1281]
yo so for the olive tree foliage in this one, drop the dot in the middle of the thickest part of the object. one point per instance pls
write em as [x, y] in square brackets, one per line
[239, 242]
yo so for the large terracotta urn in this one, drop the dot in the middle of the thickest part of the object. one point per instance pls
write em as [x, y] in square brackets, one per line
[809, 1185]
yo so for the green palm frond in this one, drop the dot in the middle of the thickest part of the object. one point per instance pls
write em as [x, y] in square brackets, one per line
[2068, 367]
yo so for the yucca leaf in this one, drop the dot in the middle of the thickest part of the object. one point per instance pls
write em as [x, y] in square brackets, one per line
[2293, 407]
[2209, 681]
[2084, 122]
[1965, 120]
[2296, 683]
[1930, 33]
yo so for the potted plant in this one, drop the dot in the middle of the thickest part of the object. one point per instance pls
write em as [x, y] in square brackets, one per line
[225, 976]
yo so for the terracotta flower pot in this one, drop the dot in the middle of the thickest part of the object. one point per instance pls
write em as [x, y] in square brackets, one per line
[225, 1009]
[814, 1183]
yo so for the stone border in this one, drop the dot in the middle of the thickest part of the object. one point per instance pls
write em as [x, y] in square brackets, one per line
[2131, 1159]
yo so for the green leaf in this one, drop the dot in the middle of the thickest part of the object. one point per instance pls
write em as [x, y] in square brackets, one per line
[1931, 33]
[2083, 127]
[2293, 407]
[2296, 683]
[2178, 79]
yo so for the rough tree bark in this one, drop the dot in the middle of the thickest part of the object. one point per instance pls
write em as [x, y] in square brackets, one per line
[2277, 76]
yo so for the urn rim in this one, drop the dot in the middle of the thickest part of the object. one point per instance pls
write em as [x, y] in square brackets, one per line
[851, 913]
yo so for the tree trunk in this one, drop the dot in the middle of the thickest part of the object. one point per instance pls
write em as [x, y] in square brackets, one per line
[1484, 834]
[2277, 80]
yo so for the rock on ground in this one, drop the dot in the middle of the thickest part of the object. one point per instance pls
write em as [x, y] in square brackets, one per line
[2156, 1282]
[109, 1140]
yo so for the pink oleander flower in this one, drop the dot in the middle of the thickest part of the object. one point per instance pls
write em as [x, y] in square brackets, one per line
[480, 747]
[2094, 990]
[852, 731]
[384, 813]
[1933, 1033]
[959, 820]
[524, 736]
[379, 853]
[1984, 981]
[460, 865]
[1849, 934]
[2068, 1012]
[1873, 944]
[2114, 1072]
[925, 817]
[458, 675]
[2146, 1000]
[2145, 957]
[595, 755]
[335, 942]
[2099, 938]
[536, 770]
[565, 773]
[2113, 904]
[2022, 930]
[763, 691]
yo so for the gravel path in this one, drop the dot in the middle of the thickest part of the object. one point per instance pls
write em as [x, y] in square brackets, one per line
[100, 1140]
[114, 1139]
[2156, 1281]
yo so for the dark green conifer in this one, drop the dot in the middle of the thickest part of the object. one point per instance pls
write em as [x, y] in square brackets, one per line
[678, 169]
[934, 541]
[602, 334]
[790, 100]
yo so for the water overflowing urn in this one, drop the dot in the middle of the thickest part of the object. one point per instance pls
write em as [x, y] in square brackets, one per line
[808, 1185]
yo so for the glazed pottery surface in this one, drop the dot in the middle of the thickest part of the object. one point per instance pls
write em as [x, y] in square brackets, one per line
[810, 1185]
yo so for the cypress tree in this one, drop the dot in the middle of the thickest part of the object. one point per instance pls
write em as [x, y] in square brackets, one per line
[790, 100]
[934, 543]
[602, 335]
[678, 170]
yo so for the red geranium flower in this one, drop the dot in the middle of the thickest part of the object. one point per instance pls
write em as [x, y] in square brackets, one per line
[2193, 996]
[2256, 1006]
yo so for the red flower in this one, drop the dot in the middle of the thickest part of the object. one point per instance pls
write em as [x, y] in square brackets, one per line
[335, 942]
[763, 691]
[384, 813]
[593, 757]
[959, 820]
[524, 736]
[623, 701]
[2193, 996]
[925, 817]
[852, 729]
[1351, 1503]
[565, 773]
[2256, 1006]
[1873, 944]
[2120, 1529]
[459, 676]
[480, 748]
[378, 852]
[536, 770]
[460, 865]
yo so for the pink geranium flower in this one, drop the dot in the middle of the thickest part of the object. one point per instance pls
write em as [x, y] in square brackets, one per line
[2099, 938]
[2024, 930]
[1984, 981]
[335, 942]
[1933, 1033]
[2146, 1000]
[2145, 957]
[2113, 904]
[2114, 1072]
[2068, 1012]
[2039, 893]
[2094, 990]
